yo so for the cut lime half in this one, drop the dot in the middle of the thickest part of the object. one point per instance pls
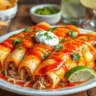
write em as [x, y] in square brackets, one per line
[80, 74]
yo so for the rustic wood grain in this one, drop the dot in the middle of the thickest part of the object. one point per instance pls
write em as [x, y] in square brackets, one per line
[6, 93]
[92, 92]
[84, 93]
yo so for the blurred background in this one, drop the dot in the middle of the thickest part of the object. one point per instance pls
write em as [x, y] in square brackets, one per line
[39, 1]
[23, 18]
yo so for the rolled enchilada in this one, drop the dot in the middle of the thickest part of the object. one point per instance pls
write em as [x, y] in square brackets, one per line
[6, 48]
[31, 62]
[13, 60]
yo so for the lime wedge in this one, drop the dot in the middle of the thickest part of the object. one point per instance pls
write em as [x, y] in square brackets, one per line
[80, 74]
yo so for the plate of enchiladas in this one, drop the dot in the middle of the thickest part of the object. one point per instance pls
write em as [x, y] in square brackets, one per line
[48, 60]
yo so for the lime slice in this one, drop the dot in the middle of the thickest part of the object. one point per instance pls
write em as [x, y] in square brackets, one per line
[80, 74]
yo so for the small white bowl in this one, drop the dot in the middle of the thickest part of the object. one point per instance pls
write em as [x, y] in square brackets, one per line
[7, 15]
[51, 19]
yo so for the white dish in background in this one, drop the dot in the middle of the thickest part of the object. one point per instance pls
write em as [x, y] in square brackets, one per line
[52, 92]
[51, 19]
[8, 14]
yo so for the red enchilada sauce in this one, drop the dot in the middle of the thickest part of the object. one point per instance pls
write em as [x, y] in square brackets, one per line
[68, 84]
[20, 84]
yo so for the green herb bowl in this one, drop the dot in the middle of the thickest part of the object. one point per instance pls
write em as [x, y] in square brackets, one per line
[51, 18]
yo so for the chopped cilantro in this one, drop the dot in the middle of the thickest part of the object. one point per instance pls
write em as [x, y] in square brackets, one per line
[46, 34]
[85, 48]
[49, 37]
[76, 56]
[52, 29]
[27, 29]
[17, 41]
[41, 34]
[63, 40]
[45, 55]
[72, 34]
[36, 30]
[58, 47]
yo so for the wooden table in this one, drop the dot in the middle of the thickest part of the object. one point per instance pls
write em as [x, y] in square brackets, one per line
[23, 20]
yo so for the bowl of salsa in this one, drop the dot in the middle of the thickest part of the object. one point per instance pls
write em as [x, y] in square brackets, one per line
[49, 13]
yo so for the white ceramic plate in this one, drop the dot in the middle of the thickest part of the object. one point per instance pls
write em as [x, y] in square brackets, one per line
[29, 91]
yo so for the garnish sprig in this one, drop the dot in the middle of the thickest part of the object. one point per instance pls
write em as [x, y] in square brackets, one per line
[58, 47]
[75, 56]
[52, 29]
[27, 29]
[63, 40]
[72, 34]
[45, 55]
[17, 41]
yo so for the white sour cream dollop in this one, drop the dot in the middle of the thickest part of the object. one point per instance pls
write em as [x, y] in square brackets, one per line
[46, 37]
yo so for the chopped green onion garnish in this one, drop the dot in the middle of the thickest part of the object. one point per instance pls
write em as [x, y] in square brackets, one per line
[46, 34]
[63, 40]
[27, 29]
[16, 41]
[52, 29]
[72, 34]
[85, 48]
[36, 30]
[58, 47]
[49, 37]
[41, 34]
[76, 56]
[45, 55]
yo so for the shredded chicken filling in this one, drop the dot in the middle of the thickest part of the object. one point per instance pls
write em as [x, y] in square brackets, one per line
[42, 82]
[12, 73]
[26, 77]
